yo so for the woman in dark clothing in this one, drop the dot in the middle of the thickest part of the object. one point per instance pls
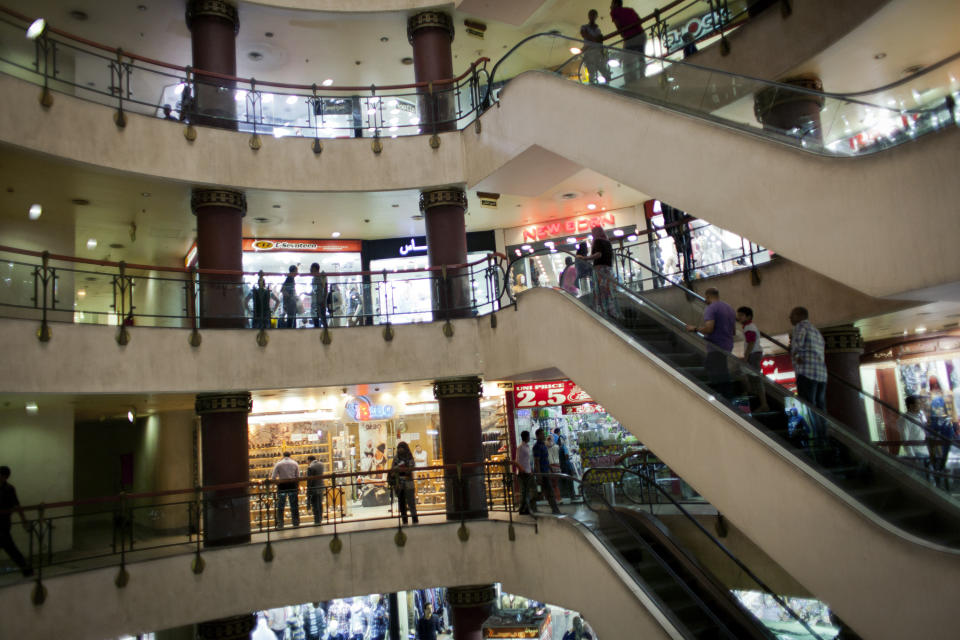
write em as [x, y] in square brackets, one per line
[402, 481]
[584, 268]
[602, 258]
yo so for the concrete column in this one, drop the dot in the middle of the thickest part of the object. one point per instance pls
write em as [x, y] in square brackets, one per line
[470, 607]
[444, 212]
[224, 458]
[791, 112]
[430, 33]
[213, 25]
[220, 215]
[233, 628]
[461, 441]
[843, 346]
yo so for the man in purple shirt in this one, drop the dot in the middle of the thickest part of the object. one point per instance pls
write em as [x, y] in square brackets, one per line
[718, 327]
[634, 40]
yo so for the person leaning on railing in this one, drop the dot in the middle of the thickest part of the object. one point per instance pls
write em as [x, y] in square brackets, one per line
[634, 39]
[401, 479]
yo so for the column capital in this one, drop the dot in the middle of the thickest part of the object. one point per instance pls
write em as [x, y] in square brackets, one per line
[224, 403]
[218, 198]
[213, 9]
[429, 19]
[443, 197]
[844, 338]
[234, 628]
[472, 595]
[458, 388]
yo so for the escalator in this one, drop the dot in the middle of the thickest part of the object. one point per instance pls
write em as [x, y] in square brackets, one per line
[827, 190]
[837, 513]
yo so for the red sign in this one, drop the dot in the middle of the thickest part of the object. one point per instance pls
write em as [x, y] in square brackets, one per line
[779, 368]
[586, 407]
[569, 227]
[543, 394]
[301, 245]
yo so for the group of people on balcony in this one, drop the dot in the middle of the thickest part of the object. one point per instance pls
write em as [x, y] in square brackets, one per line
[325, 305]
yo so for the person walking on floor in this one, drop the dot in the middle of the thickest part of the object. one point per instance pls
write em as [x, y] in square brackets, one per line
[289, 293]
[807, 353]
[318, 298]
[594, 57]
[525, 474]
[402, 481]
[753, 355]
[718, 327]
[634, 41]
[429, 625]
[285, 474]
[602, 258]
[315, 488]
[541, 459]
[8, 502]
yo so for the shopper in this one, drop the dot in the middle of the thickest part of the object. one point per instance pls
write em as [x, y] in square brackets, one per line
[315, 488]
[718, 328]
[577, 632]
[318, 297]
[553, 455]
[634, 40]
[402, 481]
[285, 474]
[429, 625]
[594, 57]
[420, 456]
[8, 502]
[602, 258]
[265, 302]
[566, 466]
[541, 460]
[568, 277]
[753, 355]
[289, 293]
[525, 474]
[806, 351]
[335, 305]
[911, 429]
[584, 268]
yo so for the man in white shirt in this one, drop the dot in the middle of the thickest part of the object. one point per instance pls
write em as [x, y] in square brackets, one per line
[910, 426]
[419, 456]
[525, 471]
[285, 473]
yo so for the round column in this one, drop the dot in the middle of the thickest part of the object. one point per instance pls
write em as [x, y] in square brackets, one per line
[224, 457]
[843, 346]
[444, 212]
[233, 628]
[470, 607]
[220, 215]
[461, 440]
[430, 33]
[792, 113]
[213, 25]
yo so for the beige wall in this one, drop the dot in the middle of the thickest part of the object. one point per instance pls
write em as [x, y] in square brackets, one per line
[39, 451]
[164, 593]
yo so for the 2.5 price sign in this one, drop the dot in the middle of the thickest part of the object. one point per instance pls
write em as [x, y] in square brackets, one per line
[548, 394]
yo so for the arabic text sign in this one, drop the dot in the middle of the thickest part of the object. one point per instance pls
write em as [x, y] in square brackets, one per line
[412, 247]
[542, 394]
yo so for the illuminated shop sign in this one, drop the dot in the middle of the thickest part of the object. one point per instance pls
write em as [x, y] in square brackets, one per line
[361, 408]
[544, 394]
[696, 27]
[570, 226]
[412, 247]
[587, 407]
[301, 245]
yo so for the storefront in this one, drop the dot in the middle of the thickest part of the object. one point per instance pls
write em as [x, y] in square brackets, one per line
[409, 296]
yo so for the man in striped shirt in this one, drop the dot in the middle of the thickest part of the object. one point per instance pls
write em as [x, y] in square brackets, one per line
[806, 351]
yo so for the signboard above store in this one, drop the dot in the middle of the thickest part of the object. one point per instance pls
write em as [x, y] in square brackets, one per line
[544, 394]
[301, 245]
[586, 407]
[361, 409]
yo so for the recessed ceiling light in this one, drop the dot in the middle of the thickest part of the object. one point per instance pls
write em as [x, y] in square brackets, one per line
[327, 82]
[395, 205]
[91, 243]
[81, 293]
[268, 34]
[31, 407]
[80, 202]
[921, 329]
[384, 39]
[618, 233]
[35, 211]
[335, 234]
[879, 56]
[256, 56]
[116, 245]
[261, 220]
[407, 60]
[591, 206]
[291, 99]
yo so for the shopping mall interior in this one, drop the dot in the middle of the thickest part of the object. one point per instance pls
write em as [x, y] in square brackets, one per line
[288, 284]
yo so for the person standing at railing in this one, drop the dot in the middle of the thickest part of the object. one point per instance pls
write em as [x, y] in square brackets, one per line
[525, 474]
[402, 481]
[315, 488]
[541, 460]
[809, 363]
[10, 502]
[318, 298]
[634, 40]
[594, 57]
[264, 300]
[289, 293]
[285, 474]
[602, 258]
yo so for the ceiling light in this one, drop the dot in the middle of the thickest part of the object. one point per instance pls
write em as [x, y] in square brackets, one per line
[36, 29]
[613, 64]
[632, 238]
[575, 51]
[327, 82]
[31, 407]
[879, 56]
[291, 99]
[618, 233]
[81, 293]
[130, 415]
[267, 98]
[335, 234]
[525, 247]
[92, 243]
[591, 206]
[35, 211]
[571, 241]
[921, 329]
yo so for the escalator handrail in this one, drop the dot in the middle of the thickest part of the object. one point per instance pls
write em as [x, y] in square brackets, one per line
[848, 97]
[723, 548]
[833, 375]
[663, 563]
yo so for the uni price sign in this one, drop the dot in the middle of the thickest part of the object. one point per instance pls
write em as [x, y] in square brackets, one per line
[549, 394]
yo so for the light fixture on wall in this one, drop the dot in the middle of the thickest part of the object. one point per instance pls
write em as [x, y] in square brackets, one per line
[36, 29]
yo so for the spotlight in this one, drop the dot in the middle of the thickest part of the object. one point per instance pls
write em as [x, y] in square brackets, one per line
[36, 29]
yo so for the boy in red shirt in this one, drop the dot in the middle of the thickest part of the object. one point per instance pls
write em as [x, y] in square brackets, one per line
[753, 354]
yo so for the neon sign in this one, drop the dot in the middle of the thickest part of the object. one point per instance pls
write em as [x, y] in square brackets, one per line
[571, 226]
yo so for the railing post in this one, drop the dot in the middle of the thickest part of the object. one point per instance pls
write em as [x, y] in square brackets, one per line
[39, 592]
[123, 577]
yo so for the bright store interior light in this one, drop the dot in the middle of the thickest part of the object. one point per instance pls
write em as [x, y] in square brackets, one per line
[81, 293]
[292, 99]
[35, 211]
[179, 88]
[240, 95]
[91, 243]
[335, 234]
[591, 206]
[327, 82]
[571, 241]
[36, 28]
[632, 238]
[613, 64]
[618, 232]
